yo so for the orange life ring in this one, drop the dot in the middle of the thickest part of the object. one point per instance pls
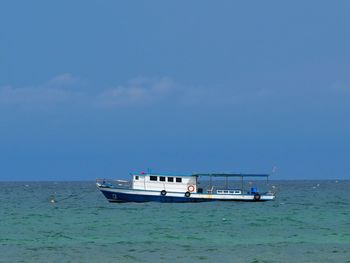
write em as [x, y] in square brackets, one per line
[190, 188]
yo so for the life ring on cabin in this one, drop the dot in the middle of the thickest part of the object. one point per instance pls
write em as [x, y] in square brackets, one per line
[163, 192]
[187, 194]
[257, 197]
[190, 188]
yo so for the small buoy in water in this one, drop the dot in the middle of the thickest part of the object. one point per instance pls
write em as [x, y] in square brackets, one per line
[53, 199]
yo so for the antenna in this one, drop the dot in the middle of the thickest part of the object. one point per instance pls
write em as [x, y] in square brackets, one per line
[274, 168]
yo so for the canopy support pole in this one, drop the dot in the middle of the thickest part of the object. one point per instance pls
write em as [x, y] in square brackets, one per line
[210, 187]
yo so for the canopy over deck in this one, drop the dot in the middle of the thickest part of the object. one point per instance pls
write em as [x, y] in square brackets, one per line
[230, 175]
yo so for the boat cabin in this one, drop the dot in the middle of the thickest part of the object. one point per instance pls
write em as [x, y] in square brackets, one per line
[169, 183]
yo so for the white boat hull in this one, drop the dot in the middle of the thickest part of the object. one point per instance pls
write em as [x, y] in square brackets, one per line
[132, 195]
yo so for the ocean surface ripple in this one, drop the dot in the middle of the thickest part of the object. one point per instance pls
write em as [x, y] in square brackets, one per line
[308, 222]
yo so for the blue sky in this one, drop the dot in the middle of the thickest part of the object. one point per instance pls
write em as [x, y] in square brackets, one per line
[101, 88]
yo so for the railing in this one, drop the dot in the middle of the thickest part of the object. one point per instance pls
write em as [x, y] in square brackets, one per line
[110, 183]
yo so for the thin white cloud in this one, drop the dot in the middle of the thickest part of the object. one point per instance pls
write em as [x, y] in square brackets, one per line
[224, 96]
[62, 90]
[341, 87]
[138, 91]
[44, 96]
[32, 95]
[65, 79]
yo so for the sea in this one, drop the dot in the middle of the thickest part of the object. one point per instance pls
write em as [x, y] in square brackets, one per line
[308, 222]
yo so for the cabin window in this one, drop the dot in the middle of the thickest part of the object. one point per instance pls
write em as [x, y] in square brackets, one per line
[153, 178]
[162, 178]
[136, 177]
[178, 179]
[170, 179]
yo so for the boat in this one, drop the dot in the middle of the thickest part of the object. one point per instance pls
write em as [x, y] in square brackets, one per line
[151, 187]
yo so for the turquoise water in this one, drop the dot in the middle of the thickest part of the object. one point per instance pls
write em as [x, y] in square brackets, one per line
[309, 222]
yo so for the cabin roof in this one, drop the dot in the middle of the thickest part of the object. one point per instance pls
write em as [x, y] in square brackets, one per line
[162, 174]
[231, 175]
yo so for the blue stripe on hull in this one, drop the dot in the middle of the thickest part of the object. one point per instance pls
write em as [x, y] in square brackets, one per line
[123, 197]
